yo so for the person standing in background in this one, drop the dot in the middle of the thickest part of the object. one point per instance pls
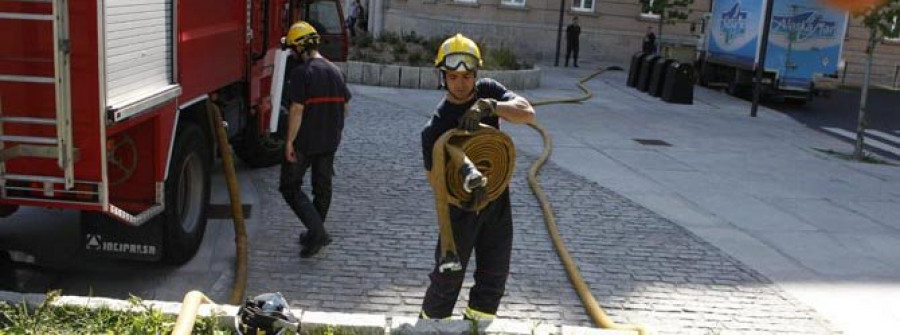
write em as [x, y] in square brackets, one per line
[649, 42]
[355, 8]
[573, 33]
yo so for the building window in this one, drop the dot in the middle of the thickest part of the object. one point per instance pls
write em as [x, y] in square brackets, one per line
[517, 3]
[895, 29]
[583, 5]
[647, 13]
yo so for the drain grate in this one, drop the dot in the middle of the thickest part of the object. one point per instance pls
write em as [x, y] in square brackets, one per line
[644, 141]
[223, 211]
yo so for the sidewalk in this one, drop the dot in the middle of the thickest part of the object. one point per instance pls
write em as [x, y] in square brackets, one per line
[825, 230]
[643, 268]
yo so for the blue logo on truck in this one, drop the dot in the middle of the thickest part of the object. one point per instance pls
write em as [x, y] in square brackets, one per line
[804, 26]
[733, 22]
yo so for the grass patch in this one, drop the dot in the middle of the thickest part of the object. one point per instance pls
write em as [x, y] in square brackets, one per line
[333, 330]
[51, 320]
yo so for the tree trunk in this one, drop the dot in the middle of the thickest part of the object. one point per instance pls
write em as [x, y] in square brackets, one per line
[862, 122]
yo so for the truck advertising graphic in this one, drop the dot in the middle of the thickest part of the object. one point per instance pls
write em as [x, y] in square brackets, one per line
[805, 41]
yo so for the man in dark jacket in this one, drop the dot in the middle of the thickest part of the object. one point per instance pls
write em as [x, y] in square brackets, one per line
[649, 45]
[573, 33]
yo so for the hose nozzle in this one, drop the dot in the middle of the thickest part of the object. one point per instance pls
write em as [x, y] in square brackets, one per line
[472, 178]
[449, 263]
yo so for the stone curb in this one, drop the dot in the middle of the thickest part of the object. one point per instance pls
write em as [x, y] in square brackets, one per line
[340, 323]
[374, 74]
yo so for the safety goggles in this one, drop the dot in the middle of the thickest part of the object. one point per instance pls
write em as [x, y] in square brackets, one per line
[454, 62]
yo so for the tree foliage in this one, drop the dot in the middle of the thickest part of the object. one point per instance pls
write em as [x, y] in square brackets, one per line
[670, 11]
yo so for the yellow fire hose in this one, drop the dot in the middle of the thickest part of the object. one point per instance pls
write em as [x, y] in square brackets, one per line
[192, 300]
[184, 325]
[492, 152]
[237, 211]
[598, 316]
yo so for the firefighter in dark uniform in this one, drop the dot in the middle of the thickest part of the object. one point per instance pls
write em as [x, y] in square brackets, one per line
[489, 231]
[319, 97]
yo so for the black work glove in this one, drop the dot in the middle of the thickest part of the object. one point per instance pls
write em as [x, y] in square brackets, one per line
[481, 109]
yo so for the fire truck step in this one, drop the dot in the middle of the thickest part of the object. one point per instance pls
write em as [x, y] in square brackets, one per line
[27, 79]
[28, 120]
[24, 16]
[41, 179]
[29, 139]
[25, 150]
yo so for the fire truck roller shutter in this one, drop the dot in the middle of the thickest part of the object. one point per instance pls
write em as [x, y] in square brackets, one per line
[138, 49]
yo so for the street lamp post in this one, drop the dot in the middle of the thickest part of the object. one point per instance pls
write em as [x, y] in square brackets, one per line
[562, 7]
[761, 64]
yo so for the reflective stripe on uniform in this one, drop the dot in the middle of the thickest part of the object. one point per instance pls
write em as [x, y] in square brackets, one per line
[473, 314]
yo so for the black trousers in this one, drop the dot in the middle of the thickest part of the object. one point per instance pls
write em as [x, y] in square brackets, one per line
[489, 233]
[572, 50]
[311, 213]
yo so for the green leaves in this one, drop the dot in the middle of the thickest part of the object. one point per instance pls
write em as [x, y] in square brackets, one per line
[20, 319]
[671, 11]
[884, 19]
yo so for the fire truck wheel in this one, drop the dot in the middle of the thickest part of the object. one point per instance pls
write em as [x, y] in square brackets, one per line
[261, 150]
[187, 195]
[7, 271]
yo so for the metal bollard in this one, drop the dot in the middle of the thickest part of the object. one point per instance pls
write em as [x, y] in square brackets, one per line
[896, 76]
[844, 75]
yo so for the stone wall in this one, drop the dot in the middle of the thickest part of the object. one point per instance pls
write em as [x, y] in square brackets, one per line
[427, 77]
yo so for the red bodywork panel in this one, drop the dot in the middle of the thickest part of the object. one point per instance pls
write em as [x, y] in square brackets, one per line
[211, 48]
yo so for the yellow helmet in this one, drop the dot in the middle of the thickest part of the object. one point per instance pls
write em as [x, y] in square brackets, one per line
[458, 51]
[301, 34]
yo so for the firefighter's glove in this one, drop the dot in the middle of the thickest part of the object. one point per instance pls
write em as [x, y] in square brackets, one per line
[481, 109]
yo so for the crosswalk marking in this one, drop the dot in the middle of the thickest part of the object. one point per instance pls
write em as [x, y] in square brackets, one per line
[884, 135]
[868, 141]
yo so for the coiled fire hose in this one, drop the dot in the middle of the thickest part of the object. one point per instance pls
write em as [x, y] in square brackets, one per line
[492, 152]
[593, 309]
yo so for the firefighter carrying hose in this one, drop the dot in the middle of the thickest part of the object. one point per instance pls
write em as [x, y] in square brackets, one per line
[319, 97]
[477, 224]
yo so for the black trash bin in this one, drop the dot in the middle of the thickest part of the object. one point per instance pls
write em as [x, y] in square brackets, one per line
[635, 69]
[658, 78]
[647, 72]
[679, 86]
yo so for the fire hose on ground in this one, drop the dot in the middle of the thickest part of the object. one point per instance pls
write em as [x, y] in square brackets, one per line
[598, 316]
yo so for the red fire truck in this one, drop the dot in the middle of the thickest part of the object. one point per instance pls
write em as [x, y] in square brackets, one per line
[103, 108]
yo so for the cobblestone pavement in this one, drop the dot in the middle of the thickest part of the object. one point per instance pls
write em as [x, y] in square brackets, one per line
[641, 267]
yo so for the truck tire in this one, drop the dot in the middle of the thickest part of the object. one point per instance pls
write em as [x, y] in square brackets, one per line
[7, 271]
[187, 195]
[260, 150]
